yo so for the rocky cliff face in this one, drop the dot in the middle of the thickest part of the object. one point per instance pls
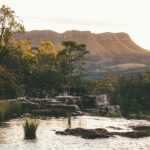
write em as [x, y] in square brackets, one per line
[109, 52]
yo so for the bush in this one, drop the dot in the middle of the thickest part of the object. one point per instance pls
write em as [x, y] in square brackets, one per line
[113, 115]
[30, 128]
[9, 110]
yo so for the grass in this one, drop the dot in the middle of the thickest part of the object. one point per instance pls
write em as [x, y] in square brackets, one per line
[9, 110]
[30, 128]
[113, 115]
[68, 120]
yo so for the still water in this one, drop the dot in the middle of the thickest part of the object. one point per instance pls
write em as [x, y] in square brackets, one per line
[12, 135]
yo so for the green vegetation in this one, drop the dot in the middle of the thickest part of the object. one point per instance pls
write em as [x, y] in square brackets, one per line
[9, 24]
[130, 91]
[9, 110]
[30, 128]
[113, 115]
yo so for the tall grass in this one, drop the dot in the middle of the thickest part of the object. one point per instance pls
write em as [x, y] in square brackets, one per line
[68, 120]
[30, 128]
[9, 110]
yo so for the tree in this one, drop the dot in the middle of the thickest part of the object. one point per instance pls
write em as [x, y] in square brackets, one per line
[9, 24]
[71, 59]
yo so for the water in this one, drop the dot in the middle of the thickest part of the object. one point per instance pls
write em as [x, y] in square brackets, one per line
[12, 136]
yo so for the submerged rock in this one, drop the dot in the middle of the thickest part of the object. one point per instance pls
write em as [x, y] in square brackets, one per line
[86, 133]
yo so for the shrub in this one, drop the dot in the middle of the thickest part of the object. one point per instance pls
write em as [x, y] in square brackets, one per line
[9, 110]
[30, 128]
[113, 115]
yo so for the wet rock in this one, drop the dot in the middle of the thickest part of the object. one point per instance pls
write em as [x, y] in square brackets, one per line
[132, 134]
[61, 132]
[141, 128]
[86, 133]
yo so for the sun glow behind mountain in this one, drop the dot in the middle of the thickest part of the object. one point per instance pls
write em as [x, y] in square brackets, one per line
[94, 15]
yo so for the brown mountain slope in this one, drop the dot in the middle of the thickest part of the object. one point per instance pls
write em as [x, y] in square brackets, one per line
[108, 51]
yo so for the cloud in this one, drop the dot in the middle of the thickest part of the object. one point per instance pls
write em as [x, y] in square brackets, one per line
[77, 21]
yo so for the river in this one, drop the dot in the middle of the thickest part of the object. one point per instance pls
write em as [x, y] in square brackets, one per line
[12, 135]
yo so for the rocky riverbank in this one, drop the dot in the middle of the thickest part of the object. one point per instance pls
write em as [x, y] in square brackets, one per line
[75, 105]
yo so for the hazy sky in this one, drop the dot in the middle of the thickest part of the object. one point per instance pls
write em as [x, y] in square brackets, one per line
[131, 16]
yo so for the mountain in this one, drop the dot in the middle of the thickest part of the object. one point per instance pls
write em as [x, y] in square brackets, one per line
[108, 52]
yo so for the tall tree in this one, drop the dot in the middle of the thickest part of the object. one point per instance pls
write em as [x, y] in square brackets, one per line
[9, 24]
[71, 59]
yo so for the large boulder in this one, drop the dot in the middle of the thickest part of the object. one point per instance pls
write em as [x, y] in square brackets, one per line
[86, 133]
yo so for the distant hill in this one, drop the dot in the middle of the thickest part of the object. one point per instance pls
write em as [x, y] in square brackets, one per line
[109, 52]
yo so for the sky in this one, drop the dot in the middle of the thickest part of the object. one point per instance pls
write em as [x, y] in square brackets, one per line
[130, 16]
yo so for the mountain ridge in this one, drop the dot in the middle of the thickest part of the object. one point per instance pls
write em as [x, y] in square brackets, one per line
[105, 49]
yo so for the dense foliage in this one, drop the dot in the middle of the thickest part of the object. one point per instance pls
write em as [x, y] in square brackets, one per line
[130, 91]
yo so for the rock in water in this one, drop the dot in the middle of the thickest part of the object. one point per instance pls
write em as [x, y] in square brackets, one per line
[86, 133]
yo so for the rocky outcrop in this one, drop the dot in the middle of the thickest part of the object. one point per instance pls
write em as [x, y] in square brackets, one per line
[50, 107]
[100, 105]
[86, 133]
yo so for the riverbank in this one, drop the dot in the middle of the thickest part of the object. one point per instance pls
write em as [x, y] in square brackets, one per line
[62, 107]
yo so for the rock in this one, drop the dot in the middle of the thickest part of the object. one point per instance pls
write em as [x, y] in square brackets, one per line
[100, 104]
[102, 100]
[27, 105]
[69, 100]
[115, 128]
[61, 133]
[80, 113]
[71, 108]
[141, 128]
[25, 115]
[86, 133]
[132, 134]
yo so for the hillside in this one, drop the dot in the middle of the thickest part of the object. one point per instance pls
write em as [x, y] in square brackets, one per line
[109, 52]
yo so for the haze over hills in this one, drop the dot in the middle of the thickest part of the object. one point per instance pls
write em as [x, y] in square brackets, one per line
[108, 52]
